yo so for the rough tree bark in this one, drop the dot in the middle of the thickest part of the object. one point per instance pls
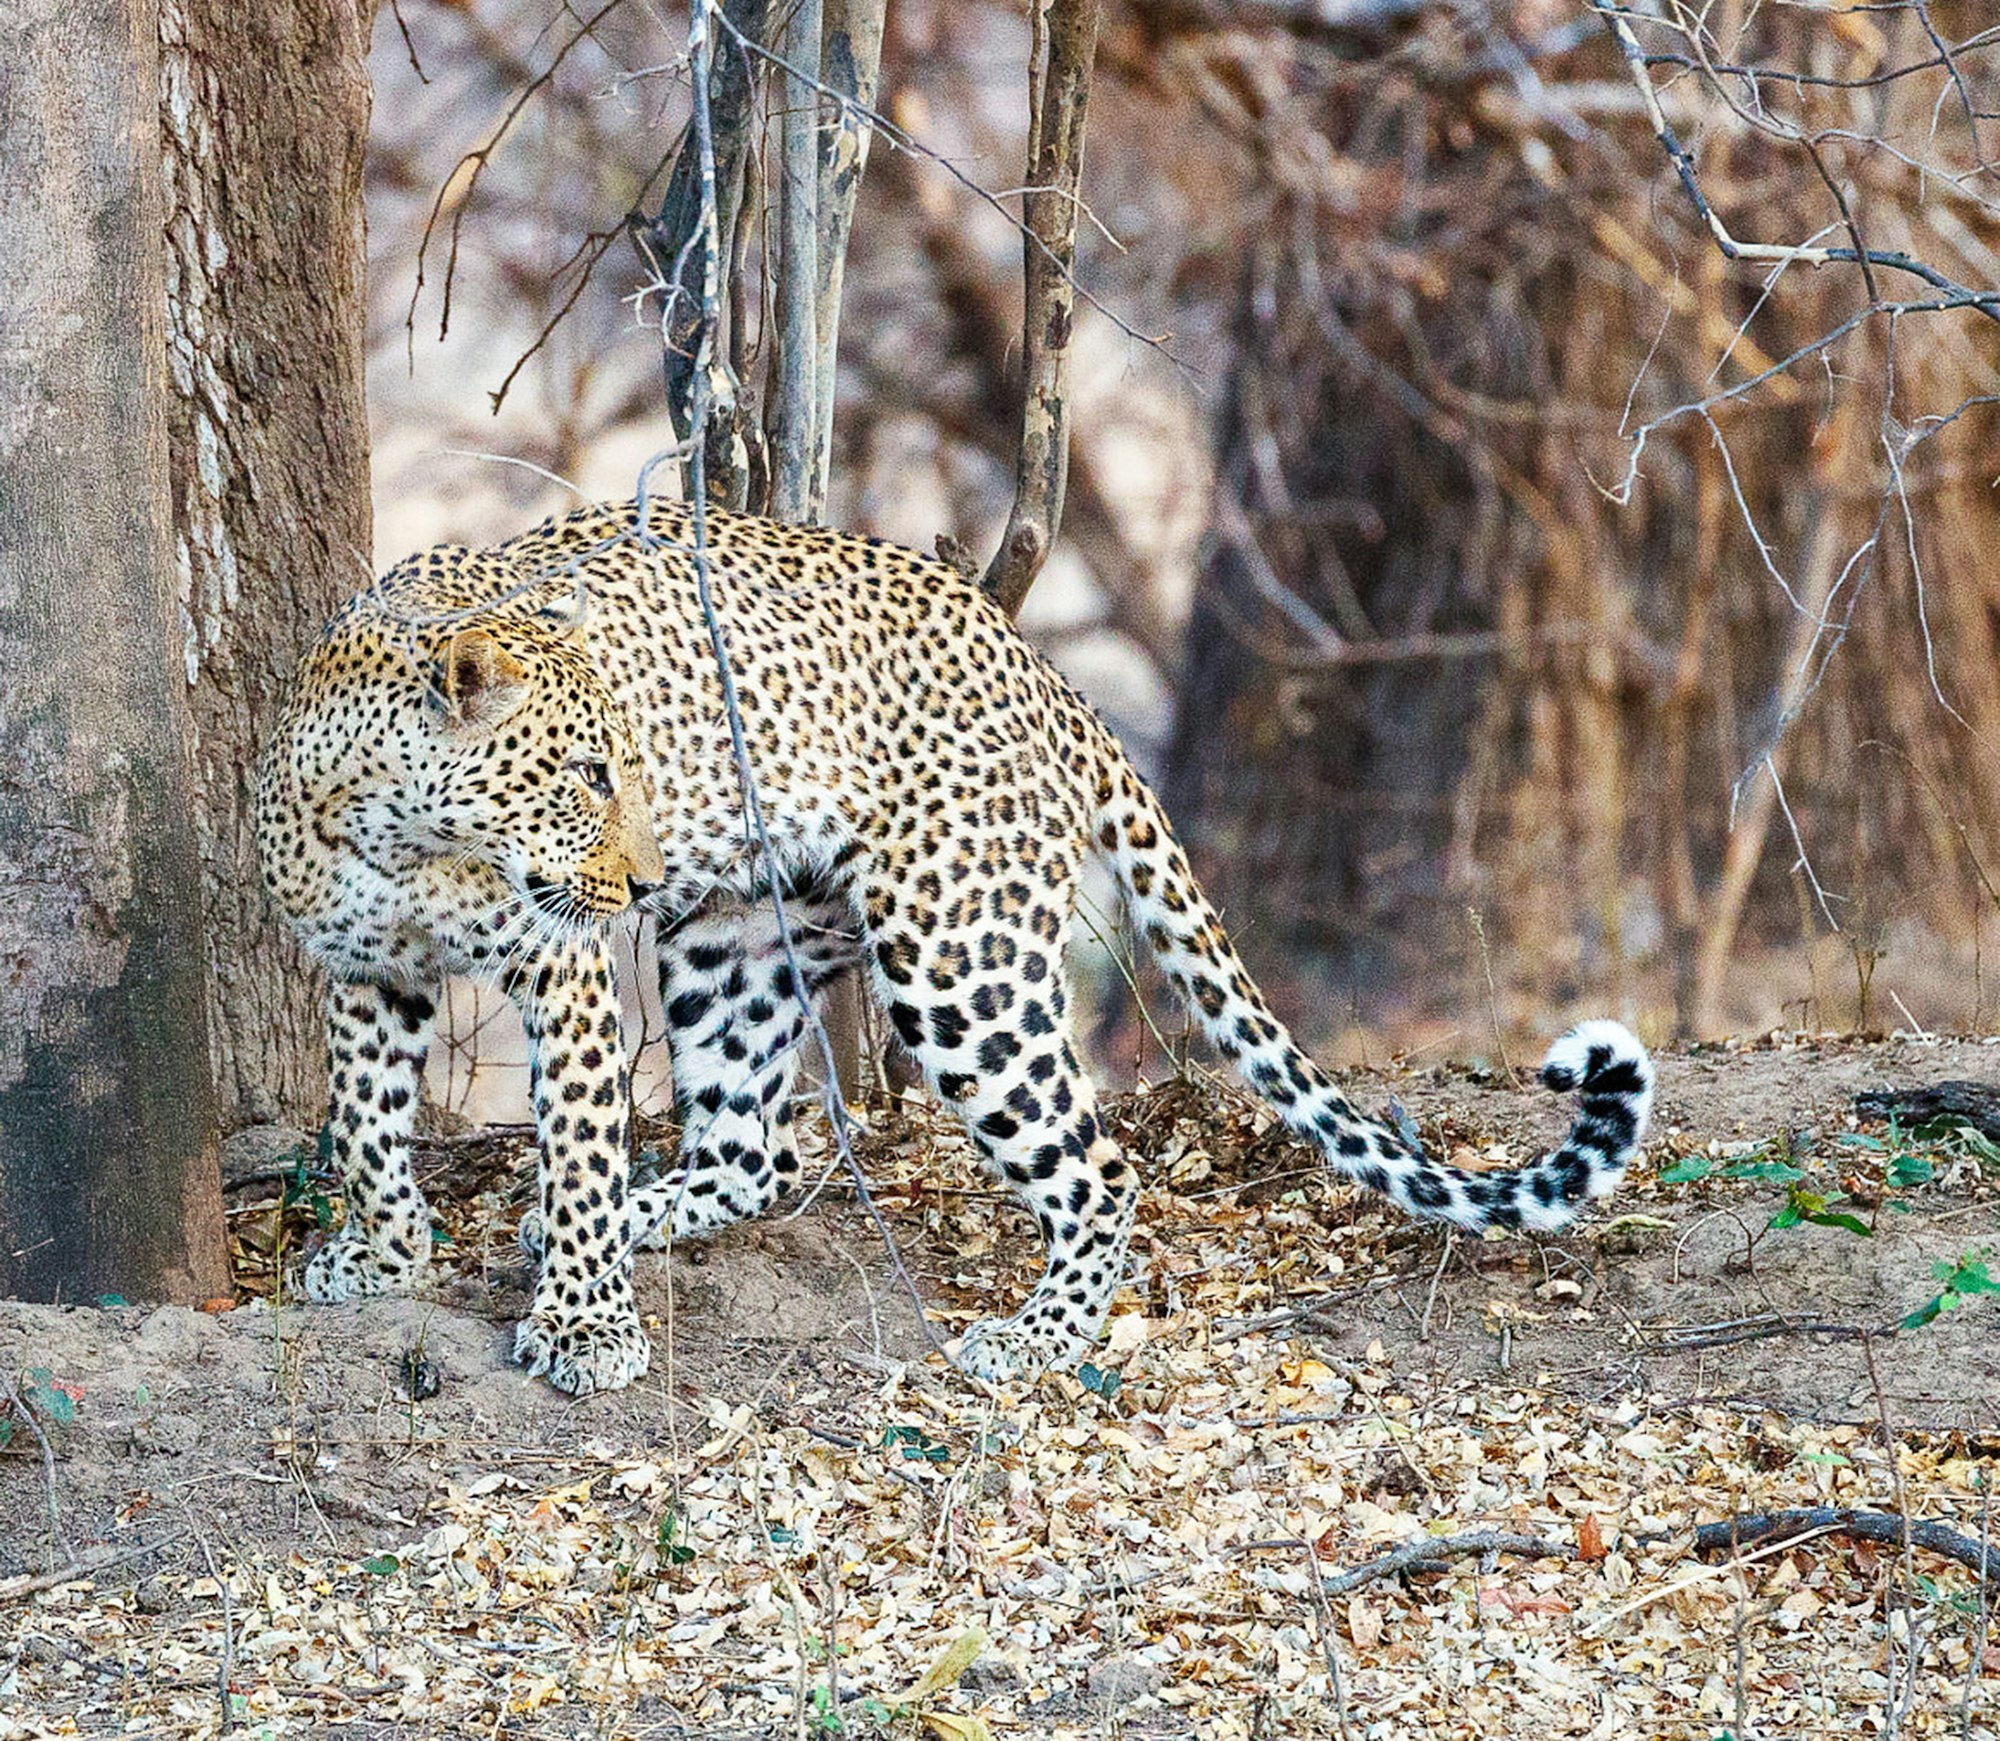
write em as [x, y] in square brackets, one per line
[263, 125]
[108, 1175]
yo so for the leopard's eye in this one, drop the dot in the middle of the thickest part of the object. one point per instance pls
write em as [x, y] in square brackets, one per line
[594, 774]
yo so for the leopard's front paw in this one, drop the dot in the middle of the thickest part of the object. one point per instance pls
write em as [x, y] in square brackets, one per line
[583, 1355]
[348, 1267]
[1018, 1349]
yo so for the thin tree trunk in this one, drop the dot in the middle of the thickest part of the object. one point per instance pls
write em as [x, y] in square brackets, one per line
[108, 1173]
[791, 419]
[850, 63]
[263, 124]
[1061, 87]
[671, 244]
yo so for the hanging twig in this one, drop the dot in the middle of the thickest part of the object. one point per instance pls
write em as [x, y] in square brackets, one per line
[702, 16]
[672, 241]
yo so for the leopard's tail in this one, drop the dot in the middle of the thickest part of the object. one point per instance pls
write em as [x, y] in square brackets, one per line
[1603, 1061]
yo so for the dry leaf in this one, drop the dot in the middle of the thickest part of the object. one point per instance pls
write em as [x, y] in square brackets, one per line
[959, 1655]
[1364, 1624]
[1589, 1538]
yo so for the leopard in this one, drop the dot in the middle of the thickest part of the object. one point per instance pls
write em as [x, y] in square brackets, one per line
[802, 754]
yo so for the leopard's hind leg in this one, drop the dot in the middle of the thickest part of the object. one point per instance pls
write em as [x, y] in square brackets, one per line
[983, 1009]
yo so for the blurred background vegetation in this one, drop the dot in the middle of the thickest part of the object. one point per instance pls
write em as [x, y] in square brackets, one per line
[1474, 706]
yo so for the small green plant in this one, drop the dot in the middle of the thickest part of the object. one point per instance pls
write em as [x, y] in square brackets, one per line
[1966, 1605]
[1760, 1167]
[1905, 1167]
[916, 1444]
[1818, 1209]
[302, 1189]
[827, 1720]
[1099, 1380]
[669, 1540]
[381, 1565]
[48, 1401]
[1960, 1281]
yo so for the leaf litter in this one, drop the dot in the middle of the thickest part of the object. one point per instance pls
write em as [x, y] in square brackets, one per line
[1296, 1386]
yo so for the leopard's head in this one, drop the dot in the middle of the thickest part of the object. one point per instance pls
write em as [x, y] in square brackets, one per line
[496, 751]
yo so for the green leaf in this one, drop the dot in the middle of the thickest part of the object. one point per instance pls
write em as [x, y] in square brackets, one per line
[47, 1398]
[1847, 1223]
[1968, 1276]
[1973, 1279]
[781, 1536]
[1771, 1172]
[1979, 1146]
[111, 1302]
[1789, 1216]
[1930, 1311]
[1854, 1139]
[1687, 1171]
[1907, 1170]
[381, 1565]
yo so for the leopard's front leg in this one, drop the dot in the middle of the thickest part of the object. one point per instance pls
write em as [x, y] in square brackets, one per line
[582, 1329]
[377, 1036]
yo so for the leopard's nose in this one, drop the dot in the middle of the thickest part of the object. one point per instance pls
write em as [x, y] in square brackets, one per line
[640, 890]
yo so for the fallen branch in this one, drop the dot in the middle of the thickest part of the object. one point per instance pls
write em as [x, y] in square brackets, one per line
[1689, 1338]
[1973, 1103]
[1431, 1554]
[1869, 1526]
[1307, 1312]
[84, 1565]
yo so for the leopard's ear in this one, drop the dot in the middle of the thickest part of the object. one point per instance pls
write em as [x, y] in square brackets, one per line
[475, 683]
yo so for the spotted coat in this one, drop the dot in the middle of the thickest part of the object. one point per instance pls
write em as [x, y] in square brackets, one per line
[492, 752]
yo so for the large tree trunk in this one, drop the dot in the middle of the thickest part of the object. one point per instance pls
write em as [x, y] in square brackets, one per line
[108, 1178]
[264, 123]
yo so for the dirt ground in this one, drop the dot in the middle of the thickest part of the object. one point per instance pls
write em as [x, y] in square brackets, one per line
[802, 1509]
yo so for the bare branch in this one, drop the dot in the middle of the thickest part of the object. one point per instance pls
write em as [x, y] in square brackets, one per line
[1986, 302]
